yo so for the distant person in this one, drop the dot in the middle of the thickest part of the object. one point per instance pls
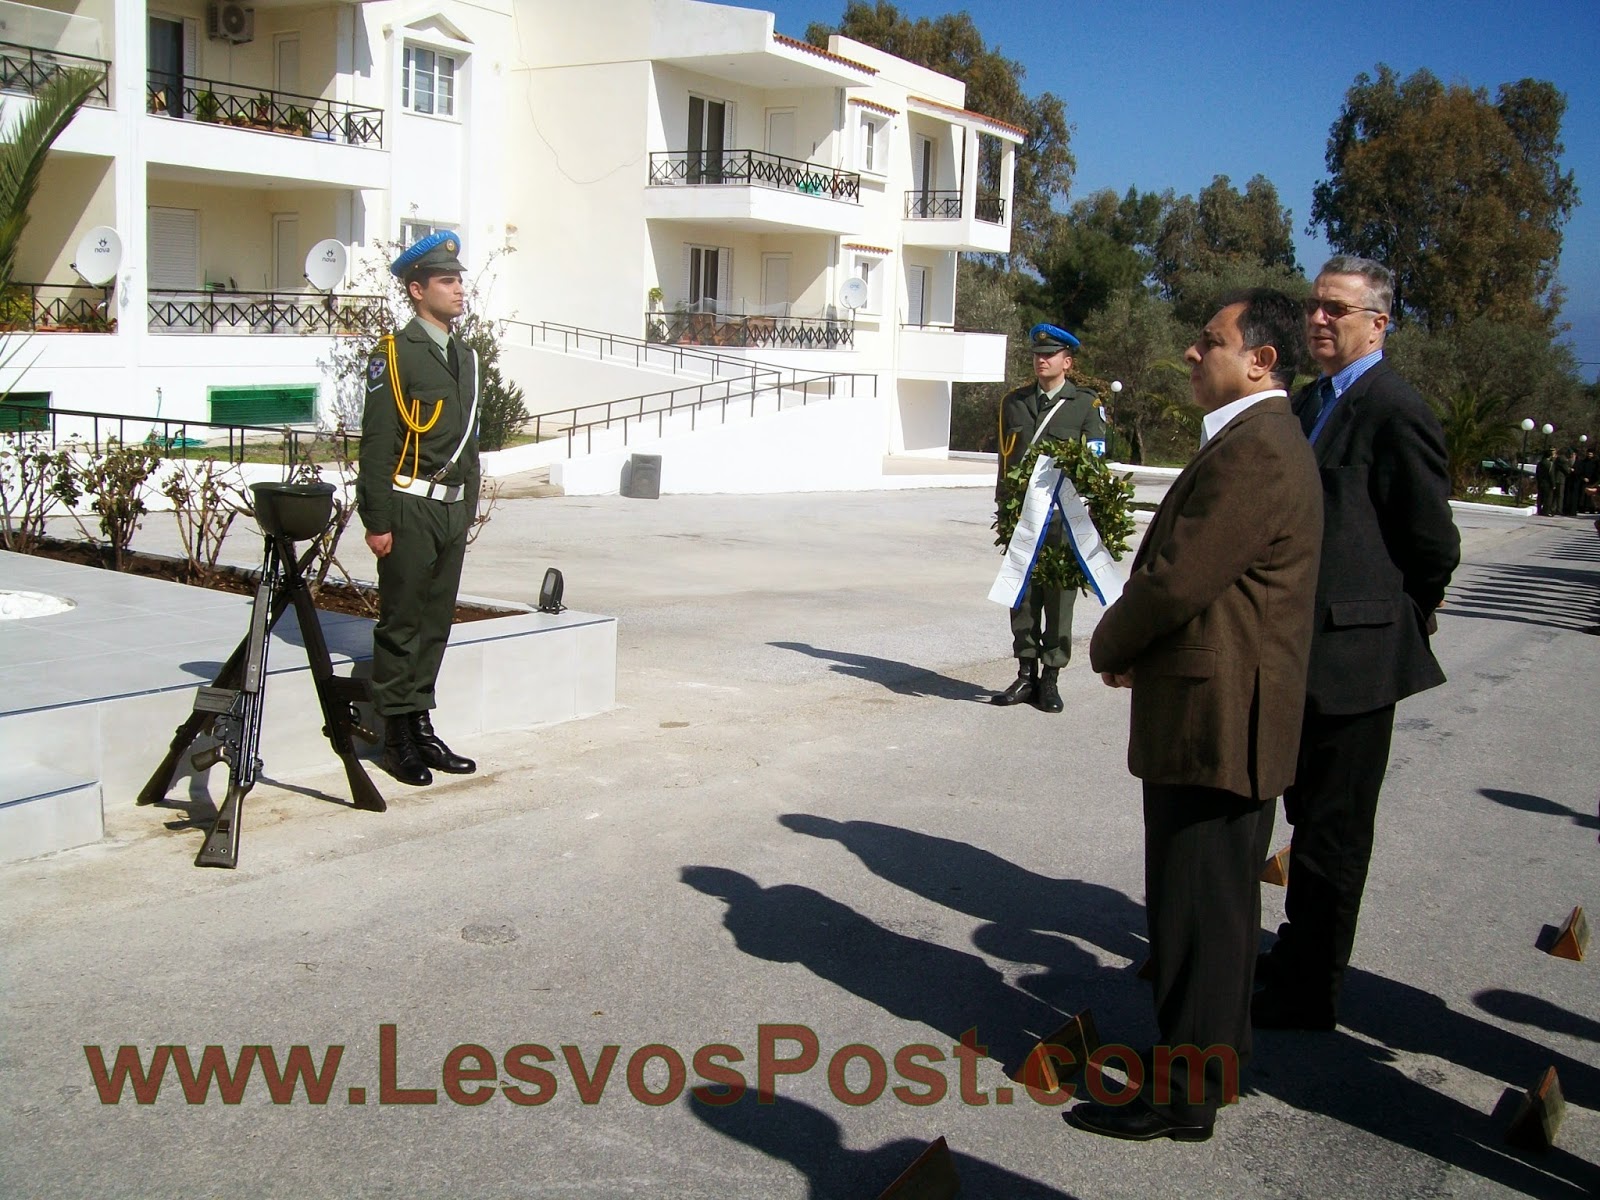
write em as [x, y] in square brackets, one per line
[1560, 471]
[1213, 633]
[1048, 409]
[417, 493]
[1389, 548]
[1589, 474]
[1544, 481]
[1569, 507]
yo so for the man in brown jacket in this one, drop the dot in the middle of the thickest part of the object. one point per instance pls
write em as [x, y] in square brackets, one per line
[1213, 633]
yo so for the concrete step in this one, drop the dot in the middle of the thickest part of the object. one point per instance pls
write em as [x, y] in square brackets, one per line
[45, 808]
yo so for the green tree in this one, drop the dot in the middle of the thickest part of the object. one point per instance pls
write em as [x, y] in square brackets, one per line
[1462, 197]
[1136, 340]
[23, 154]
[952, 45]
[1100, 246]
[1223, 233]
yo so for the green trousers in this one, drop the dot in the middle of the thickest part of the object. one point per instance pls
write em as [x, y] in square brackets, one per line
[1041, 625]
[417, 583]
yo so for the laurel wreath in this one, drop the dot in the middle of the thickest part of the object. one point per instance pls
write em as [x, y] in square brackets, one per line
[1107, 496]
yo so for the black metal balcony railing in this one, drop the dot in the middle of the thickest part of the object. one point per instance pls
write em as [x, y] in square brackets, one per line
[781, 333]
[56, 307]
[695, 168]
[922, 206]
[26, 69]
[990, 208]
[266, 312]
[218, 103]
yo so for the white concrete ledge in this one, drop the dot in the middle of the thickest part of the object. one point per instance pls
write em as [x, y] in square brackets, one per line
[98, 691]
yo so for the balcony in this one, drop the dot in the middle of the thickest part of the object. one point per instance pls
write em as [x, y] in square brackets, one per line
[751, 189]
[294, 313]
[941, 219]
[56, 308]
[950, 355]
[28, 70]
[761, 332]
[217, 103]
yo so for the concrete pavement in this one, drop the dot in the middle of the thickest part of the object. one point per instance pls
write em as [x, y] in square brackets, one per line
[803, 813]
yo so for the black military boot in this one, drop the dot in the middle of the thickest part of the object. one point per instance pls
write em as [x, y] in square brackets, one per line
[1023, 687]
[401, 758]
[434, 752]
[1047, 698]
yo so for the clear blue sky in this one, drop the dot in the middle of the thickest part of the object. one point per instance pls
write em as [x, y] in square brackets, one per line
[1170, 94]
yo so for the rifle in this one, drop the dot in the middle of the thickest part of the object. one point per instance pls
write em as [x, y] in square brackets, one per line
[230, 708]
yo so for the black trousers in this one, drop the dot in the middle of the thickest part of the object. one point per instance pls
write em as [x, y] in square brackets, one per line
[1333, 806]
[1203, 849]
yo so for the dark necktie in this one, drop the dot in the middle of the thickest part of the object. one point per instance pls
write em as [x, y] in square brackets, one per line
[450, 358]
[1325, 396]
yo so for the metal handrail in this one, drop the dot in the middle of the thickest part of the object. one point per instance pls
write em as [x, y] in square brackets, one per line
[29, 69]
[785, 333]
[990, 208]
[174, 432]
[677, 400]
[695, 168]
[645, 349]
[930, 205]
[195, 311]
[219, 103]
[23, 308]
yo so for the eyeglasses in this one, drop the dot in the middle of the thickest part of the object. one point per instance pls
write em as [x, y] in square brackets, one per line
[1334, 310]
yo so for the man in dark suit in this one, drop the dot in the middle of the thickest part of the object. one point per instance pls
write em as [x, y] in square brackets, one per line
[1049, 408]
[1213, 632]
[1389, 548]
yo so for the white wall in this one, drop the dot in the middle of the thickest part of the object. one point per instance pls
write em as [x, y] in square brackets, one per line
[818, 448]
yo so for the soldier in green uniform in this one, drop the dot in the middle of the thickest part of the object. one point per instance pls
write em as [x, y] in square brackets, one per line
[417, 493]
[1050, 408]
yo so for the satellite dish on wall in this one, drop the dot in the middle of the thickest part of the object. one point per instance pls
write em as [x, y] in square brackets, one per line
[853, 294]
[98, 255]
[326, 264]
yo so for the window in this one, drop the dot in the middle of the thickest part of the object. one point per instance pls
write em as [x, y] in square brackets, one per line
[869, 269]
[413, 231]
[25, 412]
[874, 142]
[706, 278]
[428, 82]
[263, 405]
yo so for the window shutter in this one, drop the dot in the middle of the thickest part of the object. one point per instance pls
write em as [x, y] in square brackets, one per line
[174, 248]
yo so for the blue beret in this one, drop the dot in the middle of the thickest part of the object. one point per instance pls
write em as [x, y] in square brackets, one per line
[1045, 338]
[436, 252]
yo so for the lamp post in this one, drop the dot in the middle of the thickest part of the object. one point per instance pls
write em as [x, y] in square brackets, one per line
[1522, 478]
[1547, 429]
[1116, 390]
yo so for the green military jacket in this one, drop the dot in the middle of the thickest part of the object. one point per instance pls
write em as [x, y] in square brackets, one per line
[390, 449]
[1021, 410]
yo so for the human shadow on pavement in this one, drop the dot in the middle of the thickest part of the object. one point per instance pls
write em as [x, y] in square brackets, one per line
[916, 980]
[1540, 1013]
[902, 678]
[1557, 597]
[1538, 804]
[1364, 1086]
[974, 881]
[809, 1141]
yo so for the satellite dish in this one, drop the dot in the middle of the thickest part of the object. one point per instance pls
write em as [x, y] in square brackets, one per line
[98, 255]
[853, 294]
[326, 264]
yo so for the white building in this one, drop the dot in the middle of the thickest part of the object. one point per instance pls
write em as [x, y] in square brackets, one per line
[672, 173]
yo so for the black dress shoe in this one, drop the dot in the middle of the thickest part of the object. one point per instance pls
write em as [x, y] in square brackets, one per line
[1023, 687]
[1133, 1122]
[401, 757]
[1272, 1008]
[1048, 698]
[433, 750]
